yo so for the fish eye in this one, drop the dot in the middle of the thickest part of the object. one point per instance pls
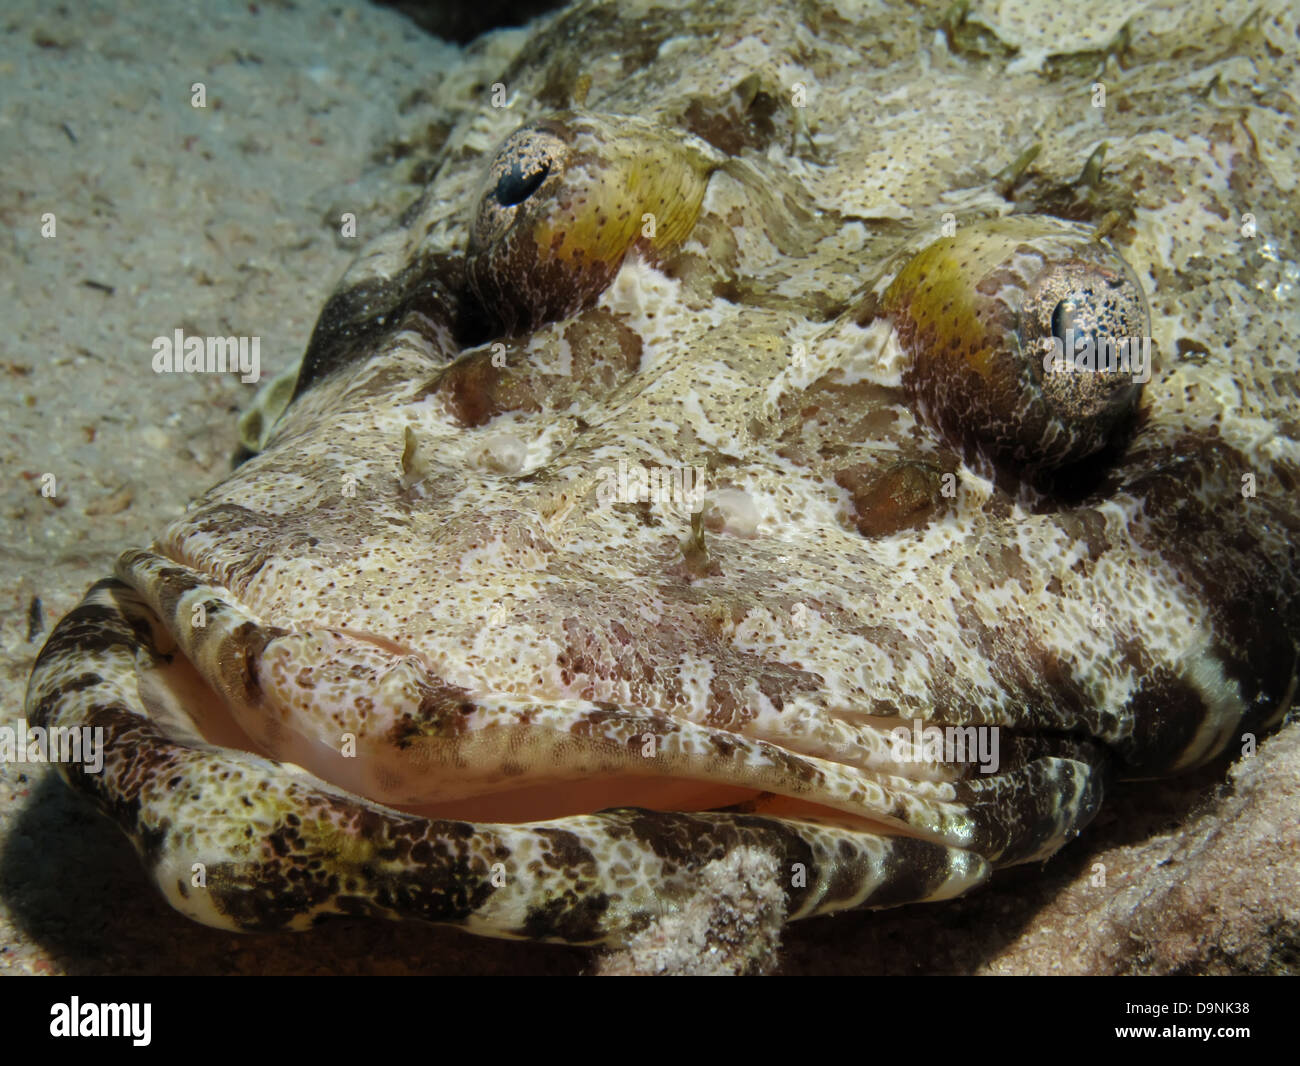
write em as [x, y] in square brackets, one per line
[1029, 340]
[518, 170]
[1086, 306]
[562, 202]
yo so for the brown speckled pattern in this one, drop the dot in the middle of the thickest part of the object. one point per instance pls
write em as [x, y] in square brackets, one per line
[430, 589]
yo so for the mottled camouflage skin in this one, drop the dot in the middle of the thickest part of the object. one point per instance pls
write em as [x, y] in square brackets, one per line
[419, 591]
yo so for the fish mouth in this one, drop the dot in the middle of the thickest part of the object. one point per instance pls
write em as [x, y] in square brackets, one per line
[177, 689]
[483, 757]
[362, 713]
[555, 820]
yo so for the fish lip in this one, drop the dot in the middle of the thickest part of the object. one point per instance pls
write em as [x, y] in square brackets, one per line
[423, 740]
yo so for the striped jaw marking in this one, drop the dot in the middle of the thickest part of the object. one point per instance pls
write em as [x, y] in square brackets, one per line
[652, 486]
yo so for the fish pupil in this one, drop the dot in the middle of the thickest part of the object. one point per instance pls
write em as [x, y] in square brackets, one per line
[1073, 321]
[1063, 319]
[515, 186]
